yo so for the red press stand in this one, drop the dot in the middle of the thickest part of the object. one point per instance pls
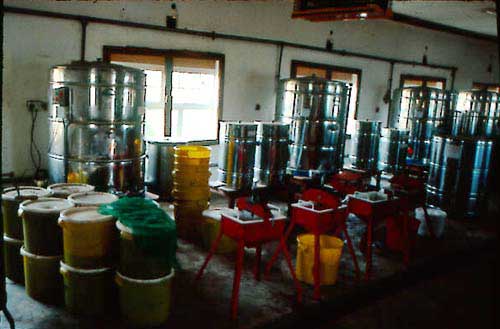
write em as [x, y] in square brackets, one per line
[263, 228]
[373, 213]
[318, 212]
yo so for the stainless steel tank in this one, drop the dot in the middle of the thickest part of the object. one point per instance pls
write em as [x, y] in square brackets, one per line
[272, 153]
[393, 149]
[458, 174]
[424, 112]
[477, 114]
[316, 110]
[366, 144]
[159, 166]
[238, 142]
[96, 124]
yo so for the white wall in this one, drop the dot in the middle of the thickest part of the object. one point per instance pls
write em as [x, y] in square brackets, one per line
[33, 44]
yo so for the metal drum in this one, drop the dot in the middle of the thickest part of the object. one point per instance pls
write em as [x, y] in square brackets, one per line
[159, 166]
[96, 91]
[237, 154]
[458, 174]
[96, 124]
[272, 153]
[477, 114]
[316, 110]
[424, 112]
[393, 149]
[366, 143]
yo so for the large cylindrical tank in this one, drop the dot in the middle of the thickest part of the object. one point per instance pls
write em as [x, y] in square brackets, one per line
[238, 142]
[458, 174]
[96, 123]
[393, 149]
[424, 112]
[159, 166]
[477, 114]
[316, 110]
[365, 145]
[272, 153]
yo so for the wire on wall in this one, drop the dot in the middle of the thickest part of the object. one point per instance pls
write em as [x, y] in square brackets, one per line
[36, 155]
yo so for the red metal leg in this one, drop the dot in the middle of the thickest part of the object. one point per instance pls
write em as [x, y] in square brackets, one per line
[258, 257]
[369, 242]
[288, 259]
[353, 254]
[276, 253]
[316, 267]
[237, 279]
[210, 254]
[406, 238]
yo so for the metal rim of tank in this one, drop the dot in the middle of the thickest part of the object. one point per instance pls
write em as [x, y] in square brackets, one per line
[305, 85]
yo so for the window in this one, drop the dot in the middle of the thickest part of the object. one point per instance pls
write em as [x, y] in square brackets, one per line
[183, 90]
[344, 74]
[408, 80]
[488, 86]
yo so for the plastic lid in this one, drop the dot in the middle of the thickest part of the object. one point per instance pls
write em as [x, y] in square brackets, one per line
[83, 215]
[92, 198]
[69, 188]
[123, 228]
[65, 267]
[214, 213]
[147, 281]
[25, 192]
[45, 205]
[23, 252]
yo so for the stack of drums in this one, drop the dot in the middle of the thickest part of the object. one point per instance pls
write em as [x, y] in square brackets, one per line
[96, 114]
[64, 190]
[272, 153]
[393, 150]
[91, 199]
[237, 154]
[13, 227]
[42, 250]
[90, 244]
[144, 282]
[366, 142]
[191, 191]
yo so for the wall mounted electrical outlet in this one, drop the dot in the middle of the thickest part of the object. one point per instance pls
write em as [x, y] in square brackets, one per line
[36, 106]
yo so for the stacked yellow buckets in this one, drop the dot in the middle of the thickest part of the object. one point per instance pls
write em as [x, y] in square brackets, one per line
[42, 250]
[13, 227]
[191, 191]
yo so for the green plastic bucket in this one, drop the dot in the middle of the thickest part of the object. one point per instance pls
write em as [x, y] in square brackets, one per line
[134, 262]
[11, 199]
[13, 260]
[42, 234]
[42, 278]
[88, 292]
[145, 303]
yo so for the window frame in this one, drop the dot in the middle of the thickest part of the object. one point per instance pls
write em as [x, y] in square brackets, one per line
[107, 51]
[329, 68]
[424, 78]
[481, 85]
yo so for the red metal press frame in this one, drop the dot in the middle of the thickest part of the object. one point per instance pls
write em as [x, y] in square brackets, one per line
[251, 234]
[319, 213]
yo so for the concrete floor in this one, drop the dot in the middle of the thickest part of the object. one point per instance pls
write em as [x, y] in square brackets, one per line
[270, 303]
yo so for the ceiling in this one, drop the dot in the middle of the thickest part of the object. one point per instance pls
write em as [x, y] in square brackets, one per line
[465, 15]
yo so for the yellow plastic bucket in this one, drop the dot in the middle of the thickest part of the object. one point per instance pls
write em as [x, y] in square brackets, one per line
[90, 239]
[134, 262]
[191, 169]
[210, 229]
[13, 260]
[189, 208]
[42, 278]
[88, 292]
[191, 152]
[198, 179]
[191, 194]
[145, 303]
[330, 253]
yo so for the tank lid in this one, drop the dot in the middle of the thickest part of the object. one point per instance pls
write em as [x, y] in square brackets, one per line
[25, 192]
[69, 188]
[92, 198]
[45, 205]
[83, 215]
